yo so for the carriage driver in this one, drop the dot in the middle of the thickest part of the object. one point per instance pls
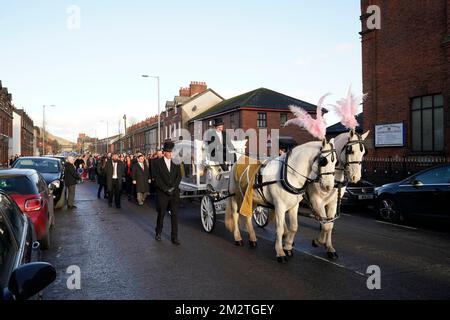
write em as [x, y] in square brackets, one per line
[219, 146]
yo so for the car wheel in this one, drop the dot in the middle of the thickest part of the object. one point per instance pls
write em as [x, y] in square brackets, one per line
[388, 210]
[45, 242]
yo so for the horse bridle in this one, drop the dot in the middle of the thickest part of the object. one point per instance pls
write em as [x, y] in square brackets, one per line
[323, 160]
[349, 150]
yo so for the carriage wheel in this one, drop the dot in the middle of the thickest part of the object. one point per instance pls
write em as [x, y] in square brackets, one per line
[261, 216]
[208, 213]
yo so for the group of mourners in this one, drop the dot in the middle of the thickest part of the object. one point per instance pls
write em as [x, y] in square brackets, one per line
[137, 176]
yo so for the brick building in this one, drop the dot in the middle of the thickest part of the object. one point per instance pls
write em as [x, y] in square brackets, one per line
[190, 102]
[6, 119]
[406, 73]
[258, 109]
[26, 136]
[86, 143]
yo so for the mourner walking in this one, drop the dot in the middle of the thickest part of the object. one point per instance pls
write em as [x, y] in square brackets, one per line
[71, 179]
[141, 179]
[115, 174]
[167, 177]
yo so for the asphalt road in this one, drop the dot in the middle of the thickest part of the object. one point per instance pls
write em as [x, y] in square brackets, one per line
[119, 258]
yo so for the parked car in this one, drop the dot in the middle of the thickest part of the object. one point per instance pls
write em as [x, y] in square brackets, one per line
[361, 193]
[51, 169]
[21, 277]
[424, 194]
[30, 192]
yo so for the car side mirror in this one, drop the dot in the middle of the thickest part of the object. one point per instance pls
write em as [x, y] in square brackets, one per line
[29, 279]
[417, 184]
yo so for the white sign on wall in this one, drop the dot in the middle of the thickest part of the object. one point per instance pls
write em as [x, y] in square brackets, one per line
[390, 135]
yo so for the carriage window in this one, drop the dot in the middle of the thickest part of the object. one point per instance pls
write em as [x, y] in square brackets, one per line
[262, 120]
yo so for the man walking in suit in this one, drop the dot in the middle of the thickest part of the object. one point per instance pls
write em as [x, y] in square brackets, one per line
[71, 179]
[167, 177]
[115, 174]
[141, 179]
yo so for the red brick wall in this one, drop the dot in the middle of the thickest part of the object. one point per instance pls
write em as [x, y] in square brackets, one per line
[406, 58]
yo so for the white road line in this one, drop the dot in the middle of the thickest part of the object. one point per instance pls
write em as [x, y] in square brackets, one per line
[313, 255]
[397, 225]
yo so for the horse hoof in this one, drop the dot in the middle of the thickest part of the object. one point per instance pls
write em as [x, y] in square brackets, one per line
[239, 243]
[314, 243]
[289, 253]
[332, 255]
[282, 260]
[253, 244]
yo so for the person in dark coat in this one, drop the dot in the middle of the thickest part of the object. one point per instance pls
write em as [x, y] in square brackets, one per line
[71, 178]
[115, 175]
[141, 179]
[167, 177]
[219, 146]
[100, 170]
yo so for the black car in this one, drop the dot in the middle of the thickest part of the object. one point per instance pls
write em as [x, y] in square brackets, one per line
[424, 194]
[51, 170]
[361, 193]
[21, 277]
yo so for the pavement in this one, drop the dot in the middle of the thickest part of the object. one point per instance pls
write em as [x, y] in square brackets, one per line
[118, 258]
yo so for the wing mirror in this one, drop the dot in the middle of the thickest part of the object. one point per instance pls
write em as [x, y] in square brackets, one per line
[417, 184]
[28, 280]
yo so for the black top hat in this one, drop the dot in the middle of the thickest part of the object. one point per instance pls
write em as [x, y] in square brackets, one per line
[168, 146]
[218, 122]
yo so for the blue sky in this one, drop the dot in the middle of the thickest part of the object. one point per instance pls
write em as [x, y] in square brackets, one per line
[299, 48]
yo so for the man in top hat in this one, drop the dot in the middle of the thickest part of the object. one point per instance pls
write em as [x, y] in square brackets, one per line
[167, 178]
[218, 144]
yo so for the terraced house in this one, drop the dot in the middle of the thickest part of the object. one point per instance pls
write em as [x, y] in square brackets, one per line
[6, 119]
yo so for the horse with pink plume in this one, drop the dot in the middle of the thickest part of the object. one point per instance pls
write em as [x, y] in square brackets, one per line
[350, 150]
[283, 181]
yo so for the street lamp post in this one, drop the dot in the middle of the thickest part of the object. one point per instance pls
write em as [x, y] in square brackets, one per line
[43, 127]
[159, 111]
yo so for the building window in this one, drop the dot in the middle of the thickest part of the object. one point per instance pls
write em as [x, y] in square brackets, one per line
[427, 123]
[283, 119]
[262, 120]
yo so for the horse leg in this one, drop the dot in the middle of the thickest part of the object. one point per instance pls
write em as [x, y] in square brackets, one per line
[237, 233]
[331, 252]
[280, 221]
[251, 232]
[292, 231]
[319, 210]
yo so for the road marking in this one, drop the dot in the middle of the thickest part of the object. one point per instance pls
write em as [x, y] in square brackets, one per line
[397, 225]
[310, 254]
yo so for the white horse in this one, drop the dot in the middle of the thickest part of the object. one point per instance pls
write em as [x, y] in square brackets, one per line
[350, 149]
[313, 161]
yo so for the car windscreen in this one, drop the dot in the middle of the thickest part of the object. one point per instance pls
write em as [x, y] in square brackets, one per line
[40, 165]
[18, 185]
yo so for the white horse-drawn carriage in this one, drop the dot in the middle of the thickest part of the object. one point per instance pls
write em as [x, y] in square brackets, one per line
[204, 178]
[316, 171]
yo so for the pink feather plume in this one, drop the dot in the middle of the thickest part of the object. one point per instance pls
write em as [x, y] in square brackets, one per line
[347, 109]
[316, 127]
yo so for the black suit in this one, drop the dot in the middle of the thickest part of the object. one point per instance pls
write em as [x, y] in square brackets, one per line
[168, 192]
[219, 151]
[114, 186]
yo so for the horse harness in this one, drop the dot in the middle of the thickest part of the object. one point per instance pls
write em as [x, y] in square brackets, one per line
[322, 161]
